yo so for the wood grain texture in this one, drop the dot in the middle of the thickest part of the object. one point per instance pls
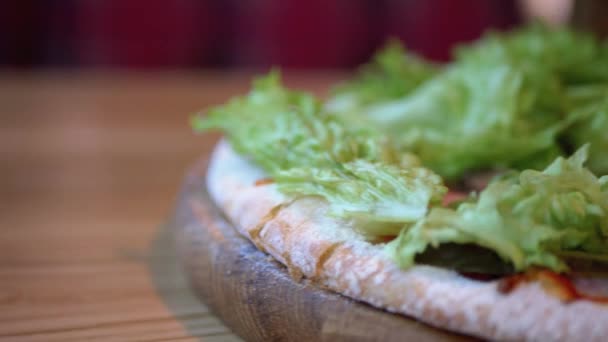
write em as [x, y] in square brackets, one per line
[256, 297]
[89, 169]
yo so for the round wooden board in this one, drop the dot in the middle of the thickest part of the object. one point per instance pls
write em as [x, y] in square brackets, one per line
[255, 295]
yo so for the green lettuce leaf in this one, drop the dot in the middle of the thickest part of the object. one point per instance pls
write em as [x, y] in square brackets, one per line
[478, 116]
[281, 129]
[503, 102]
[590, 105]
[578, 61]
[532, 218]
[392, 73]
[381, 197]
[574, 57]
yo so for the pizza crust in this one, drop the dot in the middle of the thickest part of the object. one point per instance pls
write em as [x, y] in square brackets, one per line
[300, 234]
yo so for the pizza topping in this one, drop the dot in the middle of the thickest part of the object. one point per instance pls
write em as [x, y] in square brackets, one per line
[454, 198]
[382, 198]
[566, 289]
[264, 181]
[508, 284]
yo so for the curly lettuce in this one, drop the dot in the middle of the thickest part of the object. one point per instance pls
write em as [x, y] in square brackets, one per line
[532, 218]
[590, 105]
[480, 116]
[574, 57]
[503, 103]
[281, 129]
[392, 73]
[387, 195]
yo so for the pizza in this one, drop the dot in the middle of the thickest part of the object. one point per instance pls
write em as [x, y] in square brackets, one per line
[469, 196]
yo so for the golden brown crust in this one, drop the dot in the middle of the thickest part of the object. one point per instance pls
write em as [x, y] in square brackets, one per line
[300, 234]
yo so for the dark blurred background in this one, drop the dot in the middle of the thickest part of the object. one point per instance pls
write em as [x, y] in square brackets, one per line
[153, 34]
[223, 34]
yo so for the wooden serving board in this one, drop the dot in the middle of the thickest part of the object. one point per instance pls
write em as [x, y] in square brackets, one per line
[255, 296]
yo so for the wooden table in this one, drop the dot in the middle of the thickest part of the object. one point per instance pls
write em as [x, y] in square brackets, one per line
[89, 168]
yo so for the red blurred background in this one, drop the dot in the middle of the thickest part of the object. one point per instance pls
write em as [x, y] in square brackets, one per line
[154, 34]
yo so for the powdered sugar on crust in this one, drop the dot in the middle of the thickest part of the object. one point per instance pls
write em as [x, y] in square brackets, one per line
[301, 235]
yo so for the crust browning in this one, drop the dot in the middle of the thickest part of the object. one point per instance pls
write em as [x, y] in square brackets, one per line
[300, 234]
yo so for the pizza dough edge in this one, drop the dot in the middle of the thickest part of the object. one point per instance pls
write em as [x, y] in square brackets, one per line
[300, 235]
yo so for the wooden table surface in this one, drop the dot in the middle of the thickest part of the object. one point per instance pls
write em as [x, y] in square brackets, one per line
[89, 168]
